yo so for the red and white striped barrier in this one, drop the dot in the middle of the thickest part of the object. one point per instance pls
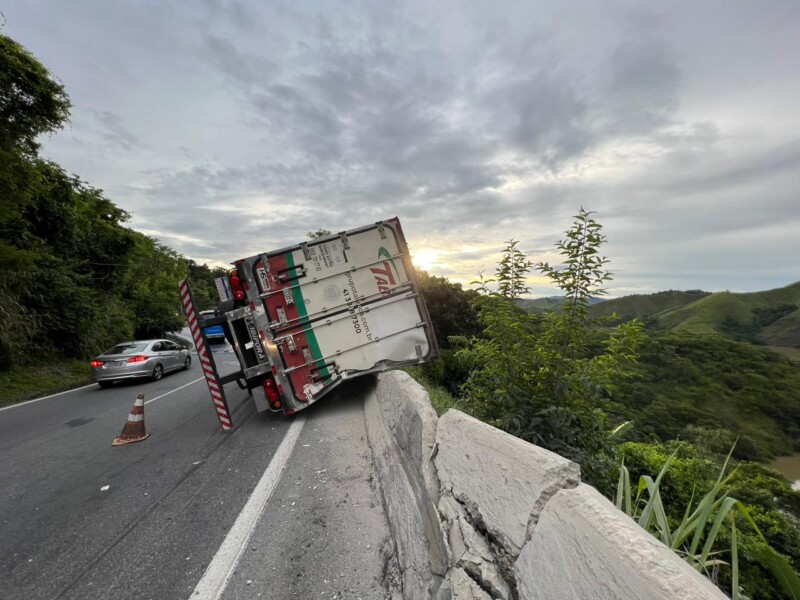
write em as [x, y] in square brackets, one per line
[212, 379]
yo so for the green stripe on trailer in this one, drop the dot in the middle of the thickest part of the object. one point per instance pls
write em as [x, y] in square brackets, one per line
[299, 302]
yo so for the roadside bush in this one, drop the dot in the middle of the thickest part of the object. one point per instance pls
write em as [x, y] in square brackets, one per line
[765, 515]
[449, 371]
[542, 378]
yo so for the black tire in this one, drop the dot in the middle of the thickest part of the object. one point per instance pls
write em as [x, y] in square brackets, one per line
[187, 363]
[158, 373]
[105, 384]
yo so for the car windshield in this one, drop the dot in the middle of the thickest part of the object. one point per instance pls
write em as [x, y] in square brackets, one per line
[126, 349]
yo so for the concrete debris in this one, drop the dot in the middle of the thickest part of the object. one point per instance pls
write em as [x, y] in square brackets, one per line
[462, 587]
[470, 551]
[478, 561]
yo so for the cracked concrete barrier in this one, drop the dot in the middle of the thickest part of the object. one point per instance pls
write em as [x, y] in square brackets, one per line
[583, 547]
[407, 411]
[502, 482]
[401, 426]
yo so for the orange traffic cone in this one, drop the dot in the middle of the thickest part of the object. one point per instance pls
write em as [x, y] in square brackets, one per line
[134, 426]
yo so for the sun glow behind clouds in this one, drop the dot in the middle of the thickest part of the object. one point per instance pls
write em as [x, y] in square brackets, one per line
[460, 264]
[427, 259]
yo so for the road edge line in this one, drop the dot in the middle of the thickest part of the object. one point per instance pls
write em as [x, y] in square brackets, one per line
[215, 579]
[175, 390]
[83, 387]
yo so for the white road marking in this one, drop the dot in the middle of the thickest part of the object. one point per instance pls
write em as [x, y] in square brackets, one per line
[219, 571]
[175, 390]
[83, 387]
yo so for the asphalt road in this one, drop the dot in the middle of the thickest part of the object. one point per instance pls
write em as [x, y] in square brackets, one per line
[80, 519]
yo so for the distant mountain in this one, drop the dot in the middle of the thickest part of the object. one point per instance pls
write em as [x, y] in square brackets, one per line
[642, 306]
[771, 317]
[550, 303]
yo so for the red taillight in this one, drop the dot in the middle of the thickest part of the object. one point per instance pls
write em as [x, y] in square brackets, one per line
[96, 363]
[272, 393]
[138, 358]
[236, 286]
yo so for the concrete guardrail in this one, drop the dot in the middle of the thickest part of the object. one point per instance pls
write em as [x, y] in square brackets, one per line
[478, 514]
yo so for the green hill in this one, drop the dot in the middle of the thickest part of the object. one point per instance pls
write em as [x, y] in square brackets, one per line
[783, 332]
[688, 380]
[771, 317]
[642, 306]
[549, 304]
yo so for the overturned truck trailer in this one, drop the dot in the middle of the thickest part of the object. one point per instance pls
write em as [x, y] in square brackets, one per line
[304, 318]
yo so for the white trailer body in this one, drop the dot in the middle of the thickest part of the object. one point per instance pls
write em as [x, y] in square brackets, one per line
[309, 316]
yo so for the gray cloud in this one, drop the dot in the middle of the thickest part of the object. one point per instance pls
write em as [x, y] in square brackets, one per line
[110, 128]
[239, 126]
[640, 91]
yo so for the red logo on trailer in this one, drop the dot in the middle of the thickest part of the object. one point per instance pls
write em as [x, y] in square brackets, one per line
[384, 277]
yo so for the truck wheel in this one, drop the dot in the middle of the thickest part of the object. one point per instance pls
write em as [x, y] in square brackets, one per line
[158, 373]
[187, 363]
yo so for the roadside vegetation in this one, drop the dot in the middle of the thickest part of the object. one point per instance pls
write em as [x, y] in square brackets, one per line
[74, 279]
[29, 380]
[441, 399]
[650, 415]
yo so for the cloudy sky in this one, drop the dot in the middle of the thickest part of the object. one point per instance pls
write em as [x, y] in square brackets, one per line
[228, 128]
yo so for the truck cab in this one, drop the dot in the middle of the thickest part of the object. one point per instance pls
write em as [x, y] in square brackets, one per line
[214, 333]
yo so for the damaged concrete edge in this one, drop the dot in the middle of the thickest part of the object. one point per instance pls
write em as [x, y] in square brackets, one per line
[407, 411]
[584, 547]
[403, 428]
[412, 421]
[502, 481]
[478, 514]
[474, 551]
[545, 497]
[421, 551]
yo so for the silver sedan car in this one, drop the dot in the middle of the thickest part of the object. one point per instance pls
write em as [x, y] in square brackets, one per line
[144, 358]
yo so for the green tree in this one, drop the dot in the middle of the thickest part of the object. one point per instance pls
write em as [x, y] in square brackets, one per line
[512, 272]
[580, 279]
[453, 315]
[319, 233]
[32, 102]
[450, 307]
[204, 288]
[151, 283]
[537, 377]
[73, 278]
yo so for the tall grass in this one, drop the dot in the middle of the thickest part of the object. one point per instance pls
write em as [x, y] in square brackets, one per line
[49, 375]
[441, 399]
[694, 538]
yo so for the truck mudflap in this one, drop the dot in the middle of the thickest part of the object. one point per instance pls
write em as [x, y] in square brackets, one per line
[338, 307]
[206, 362]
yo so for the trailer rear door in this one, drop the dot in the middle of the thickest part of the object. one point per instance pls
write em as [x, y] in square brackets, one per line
[340, 307]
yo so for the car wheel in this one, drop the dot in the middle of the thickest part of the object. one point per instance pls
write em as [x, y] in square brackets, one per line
[105, 384]
[158, 373]
[187, 363]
